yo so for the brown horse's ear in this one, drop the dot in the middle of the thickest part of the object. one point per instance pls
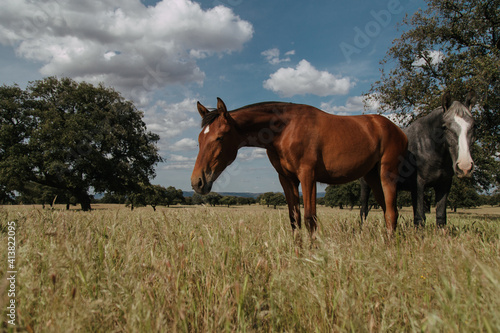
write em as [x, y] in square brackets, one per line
[222, 108]
[446, 101]
[202, 110]
[470, 100]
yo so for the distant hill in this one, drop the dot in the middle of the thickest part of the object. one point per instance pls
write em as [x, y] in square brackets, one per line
[235, 194]
[99, 196]
[242, 194]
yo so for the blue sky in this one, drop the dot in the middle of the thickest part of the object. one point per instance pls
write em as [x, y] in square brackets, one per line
[166, 55]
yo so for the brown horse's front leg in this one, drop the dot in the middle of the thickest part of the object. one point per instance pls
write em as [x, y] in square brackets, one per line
[291, 189]
[290, 186]
[309, 193]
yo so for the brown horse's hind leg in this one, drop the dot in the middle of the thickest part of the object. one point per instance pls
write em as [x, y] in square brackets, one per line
[385, 195]
[389, 176]
[309, 192]
[382, 181]
[373, 180]
[291, 189]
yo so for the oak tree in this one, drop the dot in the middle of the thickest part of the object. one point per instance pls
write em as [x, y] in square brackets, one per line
[75, 137]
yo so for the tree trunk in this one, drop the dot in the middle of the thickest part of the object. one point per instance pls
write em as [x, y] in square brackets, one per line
[86, 205]
[84, 200]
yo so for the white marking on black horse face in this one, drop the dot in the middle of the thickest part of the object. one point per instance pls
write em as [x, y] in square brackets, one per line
[464, 161]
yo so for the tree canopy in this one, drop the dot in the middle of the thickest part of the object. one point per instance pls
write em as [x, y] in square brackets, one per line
[272, 199]
[452, 45]
[74, 137]
[343, 195]
[462, 195]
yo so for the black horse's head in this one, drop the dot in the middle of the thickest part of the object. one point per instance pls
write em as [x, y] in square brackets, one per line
[458, 125]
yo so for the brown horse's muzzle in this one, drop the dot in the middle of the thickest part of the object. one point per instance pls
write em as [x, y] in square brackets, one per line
[200, 184]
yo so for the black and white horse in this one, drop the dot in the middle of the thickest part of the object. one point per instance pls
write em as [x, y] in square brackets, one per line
[438, 147]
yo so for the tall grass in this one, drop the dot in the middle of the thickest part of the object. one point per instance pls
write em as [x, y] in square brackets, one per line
[238, 269]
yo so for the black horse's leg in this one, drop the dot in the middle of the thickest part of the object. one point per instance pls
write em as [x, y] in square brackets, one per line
[442, 191]
[417, 197]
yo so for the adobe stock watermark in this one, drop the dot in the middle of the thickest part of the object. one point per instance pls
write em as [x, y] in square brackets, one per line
[11, 273]
[364, 36]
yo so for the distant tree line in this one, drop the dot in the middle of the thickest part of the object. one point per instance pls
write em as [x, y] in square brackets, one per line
[273, 199]
[215, 199]
[342, 196]
[157, 195]
[462, 195]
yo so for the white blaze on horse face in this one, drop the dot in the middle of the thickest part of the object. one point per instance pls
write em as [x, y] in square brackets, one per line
[464, 161]
[207, 129]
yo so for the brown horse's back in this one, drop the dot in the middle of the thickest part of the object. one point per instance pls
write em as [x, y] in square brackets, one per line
[336, 145]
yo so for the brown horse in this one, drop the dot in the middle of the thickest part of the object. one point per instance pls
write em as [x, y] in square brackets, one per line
[305, 145]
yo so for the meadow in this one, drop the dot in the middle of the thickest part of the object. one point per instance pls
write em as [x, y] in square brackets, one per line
[204, 269]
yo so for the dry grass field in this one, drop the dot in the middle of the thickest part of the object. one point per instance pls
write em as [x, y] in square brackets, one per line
[200, 269]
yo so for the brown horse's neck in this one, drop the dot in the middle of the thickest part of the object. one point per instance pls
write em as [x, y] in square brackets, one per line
[260, 124]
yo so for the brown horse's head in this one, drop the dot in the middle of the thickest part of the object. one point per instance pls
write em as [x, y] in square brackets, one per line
[218, 146]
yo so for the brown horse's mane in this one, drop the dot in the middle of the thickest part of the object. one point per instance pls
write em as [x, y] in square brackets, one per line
[210, 117]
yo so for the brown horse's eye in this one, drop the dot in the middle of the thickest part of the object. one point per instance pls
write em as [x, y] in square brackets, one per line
[219, 138]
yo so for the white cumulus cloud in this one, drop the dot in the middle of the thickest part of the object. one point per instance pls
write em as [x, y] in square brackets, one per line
[178, 162]
[250, 154]
[273, 56]
[170, 120]
[184, 144]
[133, 47]
[429, 57]
[178, 166]
[354, 104]
[306, 79]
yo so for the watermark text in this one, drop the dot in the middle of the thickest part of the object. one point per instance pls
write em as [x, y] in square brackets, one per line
[11, 272]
